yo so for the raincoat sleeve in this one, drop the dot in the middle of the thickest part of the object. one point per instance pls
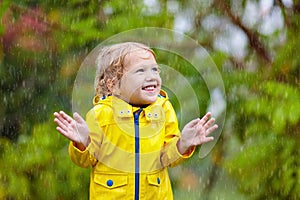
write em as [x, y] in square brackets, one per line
[81, 158]
[170, 155]
[86, 157]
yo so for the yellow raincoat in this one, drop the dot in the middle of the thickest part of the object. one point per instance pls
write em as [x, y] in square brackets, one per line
[130, 149]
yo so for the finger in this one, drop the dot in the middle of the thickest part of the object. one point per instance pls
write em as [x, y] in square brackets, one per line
[211, 129]
[78, 118]
[207, 139]
[60, 130]
[61, 119]
[55, 114]
[67, 117]
[60, 124]
[209, 123]
[59, 115]
[192, 123]
[205, 118]
[65, 134]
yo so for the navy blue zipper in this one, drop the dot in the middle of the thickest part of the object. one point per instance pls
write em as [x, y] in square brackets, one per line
[137, 155]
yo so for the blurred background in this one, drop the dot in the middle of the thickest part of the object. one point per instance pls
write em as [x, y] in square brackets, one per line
[254, 44]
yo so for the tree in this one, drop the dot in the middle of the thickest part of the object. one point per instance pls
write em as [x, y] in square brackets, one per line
[264, 110]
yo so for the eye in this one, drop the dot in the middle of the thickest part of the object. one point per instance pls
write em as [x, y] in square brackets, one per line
[139, 70]
[155, 69]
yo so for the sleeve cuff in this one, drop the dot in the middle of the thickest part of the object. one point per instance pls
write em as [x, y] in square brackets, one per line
[186, 155]
[74, 149]
[171, 156]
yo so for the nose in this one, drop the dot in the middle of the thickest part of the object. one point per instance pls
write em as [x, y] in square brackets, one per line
[150, 75]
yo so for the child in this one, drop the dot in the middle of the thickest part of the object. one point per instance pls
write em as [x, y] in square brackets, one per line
[131, 135]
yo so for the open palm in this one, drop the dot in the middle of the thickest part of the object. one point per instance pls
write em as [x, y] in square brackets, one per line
[196, 132]
[74, 129]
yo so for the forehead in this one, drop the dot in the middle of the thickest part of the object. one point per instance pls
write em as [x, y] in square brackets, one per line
[139, 57]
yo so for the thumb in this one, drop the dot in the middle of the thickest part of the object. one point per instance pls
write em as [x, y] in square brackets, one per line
[78, 118]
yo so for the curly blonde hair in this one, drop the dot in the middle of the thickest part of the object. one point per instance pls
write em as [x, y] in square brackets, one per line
[110, 64]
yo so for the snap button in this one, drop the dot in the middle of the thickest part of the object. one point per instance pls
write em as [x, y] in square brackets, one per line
[158, 180]
[109, 183]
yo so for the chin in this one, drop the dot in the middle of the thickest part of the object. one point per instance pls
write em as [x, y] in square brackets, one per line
[152, 100]
[144, 102]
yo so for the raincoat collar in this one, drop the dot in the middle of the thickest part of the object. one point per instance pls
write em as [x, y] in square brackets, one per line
[122, 109]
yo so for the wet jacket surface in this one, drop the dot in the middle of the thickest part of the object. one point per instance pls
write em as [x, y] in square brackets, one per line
[130, 149]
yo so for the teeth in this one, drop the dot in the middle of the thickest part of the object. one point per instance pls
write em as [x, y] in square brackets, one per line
[149, 87]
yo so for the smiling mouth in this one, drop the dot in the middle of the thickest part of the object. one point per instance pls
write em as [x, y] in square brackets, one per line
[149, 88]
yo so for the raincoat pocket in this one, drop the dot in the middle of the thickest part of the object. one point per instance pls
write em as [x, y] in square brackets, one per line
[156, 186]
[111, 186]
[154, 180]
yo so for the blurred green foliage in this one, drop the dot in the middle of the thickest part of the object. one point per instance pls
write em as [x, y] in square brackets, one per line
[43, 44]
[267, 122]
[31, 166]
[269, 155]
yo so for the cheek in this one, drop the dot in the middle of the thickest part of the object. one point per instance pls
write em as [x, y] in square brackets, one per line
[136, 81]
[130, 86]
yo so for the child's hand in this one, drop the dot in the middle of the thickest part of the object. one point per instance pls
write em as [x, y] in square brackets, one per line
[195, 133]
[74, 129]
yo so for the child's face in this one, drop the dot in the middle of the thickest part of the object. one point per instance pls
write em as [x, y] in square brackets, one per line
[141, 82]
